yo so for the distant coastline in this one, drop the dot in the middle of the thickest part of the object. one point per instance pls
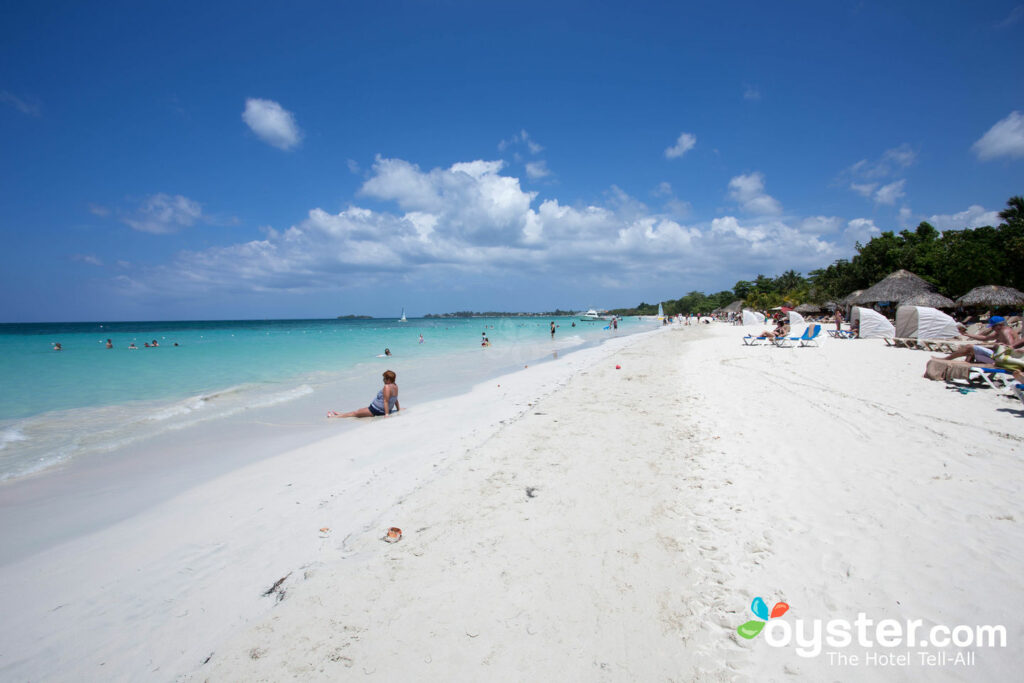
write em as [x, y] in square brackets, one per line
[500, 314]
[355, 317]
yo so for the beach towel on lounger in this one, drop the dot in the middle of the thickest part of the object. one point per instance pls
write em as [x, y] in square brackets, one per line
[1008, 359]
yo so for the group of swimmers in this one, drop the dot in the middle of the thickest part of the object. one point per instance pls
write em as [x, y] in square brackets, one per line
[57, 346]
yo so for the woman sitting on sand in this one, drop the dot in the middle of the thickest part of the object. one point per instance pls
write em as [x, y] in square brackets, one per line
[385, 403]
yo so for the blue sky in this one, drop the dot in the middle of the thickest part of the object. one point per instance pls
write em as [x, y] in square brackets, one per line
[248, 160]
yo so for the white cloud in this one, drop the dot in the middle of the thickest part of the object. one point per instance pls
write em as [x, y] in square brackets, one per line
[28, 106]
[537, 169]
[521, 138]
[864, 189]
[87, 258]
[162, 214]
[905, 216]
[99, 210]
[684, 143]
[748, 190]
[471, 220]
[1015, 15]
[664, 189]
[892, 161]
[820, 225]
[751, 92]
[973, 216]
[888, 194]
[272, 123]
[860, 230]
[1005, 138]
[353, 166]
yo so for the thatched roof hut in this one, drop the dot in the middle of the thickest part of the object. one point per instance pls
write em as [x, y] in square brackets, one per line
[848, 299]
[991, 295]
[894, 287]
[734, 307]
[929, 299]
[808, 308]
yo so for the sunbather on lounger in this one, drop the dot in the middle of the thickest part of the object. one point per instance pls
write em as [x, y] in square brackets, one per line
[999, 333]
[781, 330]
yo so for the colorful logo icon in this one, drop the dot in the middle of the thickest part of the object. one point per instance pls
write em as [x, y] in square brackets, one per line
[760, 610]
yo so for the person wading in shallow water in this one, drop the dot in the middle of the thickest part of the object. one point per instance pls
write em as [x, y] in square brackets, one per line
[384, 404]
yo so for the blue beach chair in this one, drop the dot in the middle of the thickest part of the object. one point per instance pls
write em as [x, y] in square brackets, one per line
[751, 340]
[808, 338]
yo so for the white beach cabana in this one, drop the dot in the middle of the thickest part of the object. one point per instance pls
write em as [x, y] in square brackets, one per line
[752, 317]
[873, 325]
[794, 320]
[922, 322]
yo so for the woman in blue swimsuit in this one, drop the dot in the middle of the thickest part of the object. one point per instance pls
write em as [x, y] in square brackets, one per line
[384, 404]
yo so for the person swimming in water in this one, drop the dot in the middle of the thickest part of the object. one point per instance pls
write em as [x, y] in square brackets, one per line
[384, 404]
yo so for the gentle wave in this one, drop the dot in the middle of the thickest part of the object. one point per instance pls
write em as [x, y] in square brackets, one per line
[33, 445]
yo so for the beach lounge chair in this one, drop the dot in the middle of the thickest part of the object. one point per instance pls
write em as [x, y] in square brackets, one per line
[999, 379]
[808, 338]
[751, 340]
[841, 334]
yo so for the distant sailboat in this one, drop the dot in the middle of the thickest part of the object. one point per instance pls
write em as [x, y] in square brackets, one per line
[402, 319]
[661, 312]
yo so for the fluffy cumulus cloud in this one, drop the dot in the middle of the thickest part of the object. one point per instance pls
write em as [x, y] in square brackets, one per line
[860, 230]
[473, 219]
[161, 214]
[973, 216]
[272, 123]
[684, 143]
[748, 190]
[1004, 139]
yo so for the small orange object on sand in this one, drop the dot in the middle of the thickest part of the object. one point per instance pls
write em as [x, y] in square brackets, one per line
[618, 367]
[324, 529]
[394, 535]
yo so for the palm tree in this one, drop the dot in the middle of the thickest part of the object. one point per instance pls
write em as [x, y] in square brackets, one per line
[1014, 211]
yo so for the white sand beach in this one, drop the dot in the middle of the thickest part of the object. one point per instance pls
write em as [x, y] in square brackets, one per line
[571, 521]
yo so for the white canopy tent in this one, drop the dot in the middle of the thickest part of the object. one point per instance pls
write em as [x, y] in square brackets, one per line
[873, 325]
[922, 322]
[752, 317]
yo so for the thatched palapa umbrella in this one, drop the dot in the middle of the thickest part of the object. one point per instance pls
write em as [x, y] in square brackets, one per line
[808, 308]
[894, 287]
[734, 307]
[848, 299]
[929, 299]
[991, 295]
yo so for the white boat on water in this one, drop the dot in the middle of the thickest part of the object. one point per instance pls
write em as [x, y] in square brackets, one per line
[591, 316]
[402, 319]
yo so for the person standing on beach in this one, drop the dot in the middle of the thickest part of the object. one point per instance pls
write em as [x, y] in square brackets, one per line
[552, 329]
[839, 320]
[384, 404]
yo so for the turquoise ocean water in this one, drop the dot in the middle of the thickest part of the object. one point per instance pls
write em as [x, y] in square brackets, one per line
[56, 406]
